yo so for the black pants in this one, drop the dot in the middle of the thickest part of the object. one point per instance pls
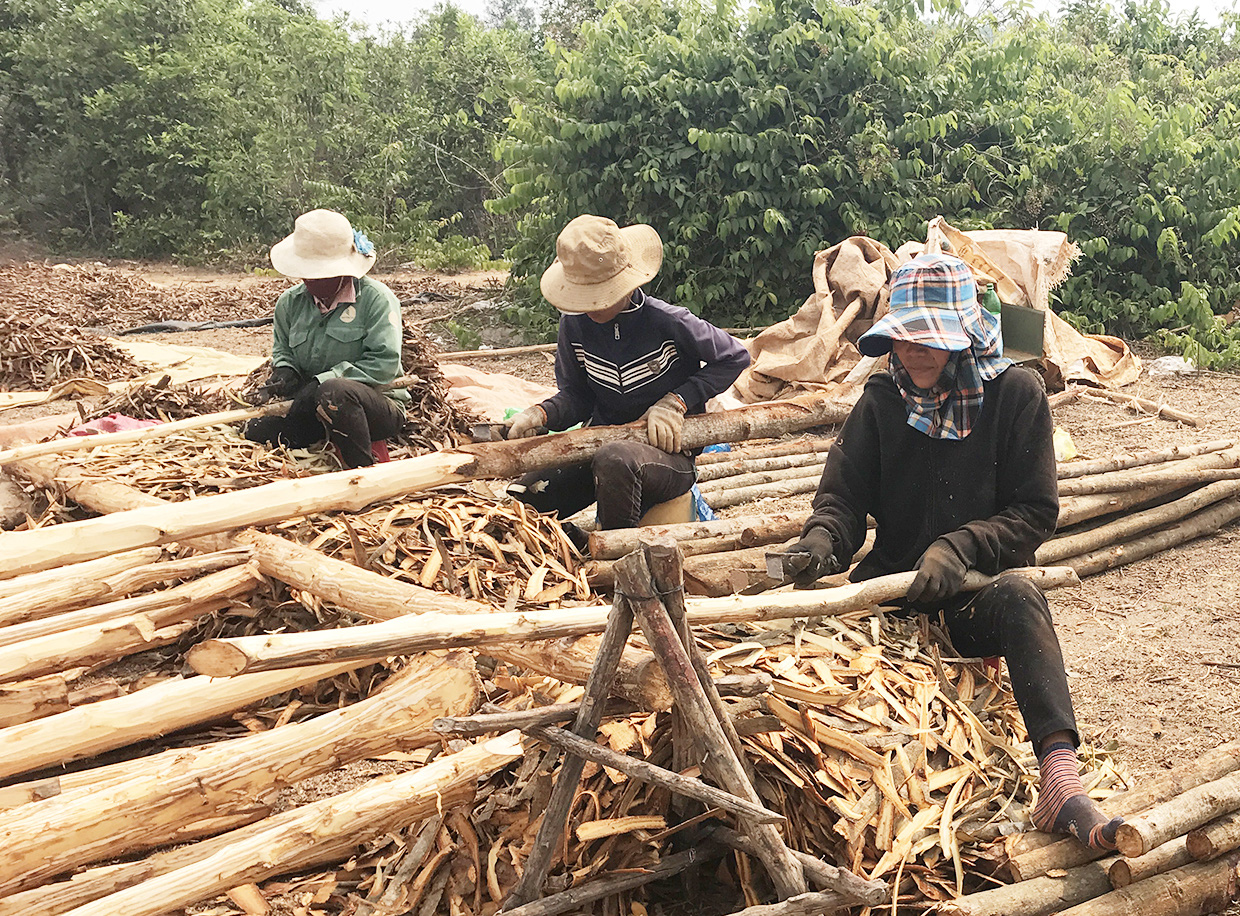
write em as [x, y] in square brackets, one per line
[352, 413]
[625, 478]
[1010, 617]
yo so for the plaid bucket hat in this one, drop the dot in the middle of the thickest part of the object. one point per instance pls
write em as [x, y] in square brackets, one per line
[934, 303]
[931, 297]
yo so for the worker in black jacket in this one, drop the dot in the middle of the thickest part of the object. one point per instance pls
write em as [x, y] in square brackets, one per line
[622, 356]
[950, 451]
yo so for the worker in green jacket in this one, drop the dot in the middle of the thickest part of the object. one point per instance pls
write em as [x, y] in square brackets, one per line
[336, 339]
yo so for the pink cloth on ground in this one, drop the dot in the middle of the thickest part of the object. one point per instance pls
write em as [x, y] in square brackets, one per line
[112, 423]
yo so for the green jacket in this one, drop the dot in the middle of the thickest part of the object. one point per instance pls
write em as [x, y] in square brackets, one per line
[361, 341]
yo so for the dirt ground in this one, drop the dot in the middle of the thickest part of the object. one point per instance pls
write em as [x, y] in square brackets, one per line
[1152, 649]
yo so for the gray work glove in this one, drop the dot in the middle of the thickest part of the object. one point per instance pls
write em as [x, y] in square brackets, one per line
[940, 573]
[529, 422]
[664, 422]
[819, 550]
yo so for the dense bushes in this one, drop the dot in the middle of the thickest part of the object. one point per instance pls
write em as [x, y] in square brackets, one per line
[751, 135]
[751, 144]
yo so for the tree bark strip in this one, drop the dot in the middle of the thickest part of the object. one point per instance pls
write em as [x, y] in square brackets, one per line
[44, 548]
[146, 810]
[316, 834]
[401, 636]
[814, 903]
[1072, 545]
[636, 583]
[1072, 469]
[575, 899]
[644, 771]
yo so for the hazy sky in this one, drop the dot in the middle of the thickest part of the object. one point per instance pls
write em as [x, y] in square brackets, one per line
[378, 12]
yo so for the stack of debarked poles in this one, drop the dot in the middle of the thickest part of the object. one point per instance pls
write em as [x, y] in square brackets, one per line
[1112, 511]
[1178, 853]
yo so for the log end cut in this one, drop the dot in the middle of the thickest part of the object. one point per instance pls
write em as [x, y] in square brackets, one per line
[1130, 842]
[216, 658]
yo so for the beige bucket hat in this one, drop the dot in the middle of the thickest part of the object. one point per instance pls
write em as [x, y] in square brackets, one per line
[323, 244]
[597, 263]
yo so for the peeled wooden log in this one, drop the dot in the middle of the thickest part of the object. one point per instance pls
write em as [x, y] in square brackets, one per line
[1076, 509]
[161, 607]
[30, 551]
[33, 699]
[53, 598]
[1180, 473]
[105, 689]
[227, 657]
[1072, 545]
[1141, 405]
[86, 731]
[1167, 476]
[757, 478]
[115, 637]
[1165, 822]
[1215, 838]
[1202, 523]
[319, 833]
[92, 571]
[1035, 853]
[1036, 896]
[638, 677]
[1067, 396]
[1072, 469]
[1191, 890]
[726, 498]
[615, 543]
[798, 446]
[38, 842]
[1171, 855]
[719, 574]
[710, 472]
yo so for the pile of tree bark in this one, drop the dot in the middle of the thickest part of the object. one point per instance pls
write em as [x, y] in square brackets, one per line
[35, 353]
[1112, 511]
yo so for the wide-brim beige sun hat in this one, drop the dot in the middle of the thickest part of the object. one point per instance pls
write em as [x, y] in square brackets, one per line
[597, 264]
[323, 244]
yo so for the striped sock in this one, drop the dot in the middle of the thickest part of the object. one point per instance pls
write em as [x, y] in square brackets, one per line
[1063, 806]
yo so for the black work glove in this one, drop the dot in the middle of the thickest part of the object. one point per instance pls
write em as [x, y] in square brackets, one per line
[282, 383]
[819, 550]
[306, 401]
[940, 573]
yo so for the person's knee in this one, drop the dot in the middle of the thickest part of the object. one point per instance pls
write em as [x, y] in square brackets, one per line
[614, 462]
[1025, 607]
[336, 392]
[263, 429]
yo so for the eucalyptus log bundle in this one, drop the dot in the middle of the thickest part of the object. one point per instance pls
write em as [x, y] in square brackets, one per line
[316, 834]
[177, 791]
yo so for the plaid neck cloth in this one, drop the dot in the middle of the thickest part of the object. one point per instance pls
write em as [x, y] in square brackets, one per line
[950, 408]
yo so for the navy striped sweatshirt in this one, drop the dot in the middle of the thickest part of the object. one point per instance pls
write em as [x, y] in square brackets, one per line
[612, 373]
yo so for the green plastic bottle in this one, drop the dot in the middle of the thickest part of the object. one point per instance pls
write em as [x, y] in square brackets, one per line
[990, 300]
